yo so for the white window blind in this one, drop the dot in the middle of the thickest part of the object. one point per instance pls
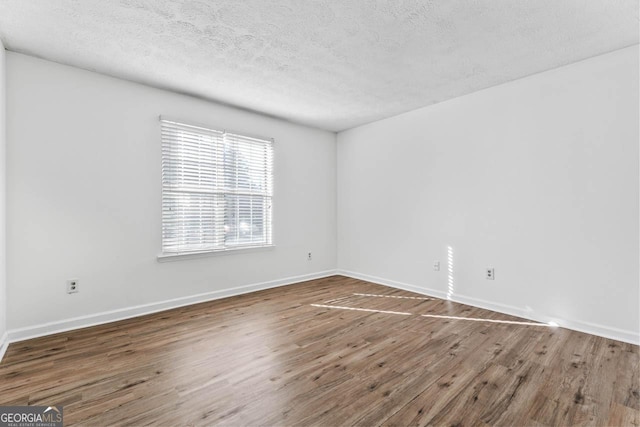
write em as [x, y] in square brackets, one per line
[217, 189]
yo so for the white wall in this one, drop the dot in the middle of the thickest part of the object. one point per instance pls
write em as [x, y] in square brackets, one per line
[537, 178]
[84, 195]
[3, 270]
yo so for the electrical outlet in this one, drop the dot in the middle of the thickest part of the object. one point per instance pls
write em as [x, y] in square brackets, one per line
[489, 274]
[436, 266]
[309, 257]
[72, 286]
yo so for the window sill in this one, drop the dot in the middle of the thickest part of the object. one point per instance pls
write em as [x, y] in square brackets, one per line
[204, 254]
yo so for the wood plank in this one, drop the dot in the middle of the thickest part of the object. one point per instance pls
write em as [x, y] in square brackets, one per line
[307, 354]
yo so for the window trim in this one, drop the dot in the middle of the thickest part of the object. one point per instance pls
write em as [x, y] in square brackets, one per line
[168, 257]
[176, 256]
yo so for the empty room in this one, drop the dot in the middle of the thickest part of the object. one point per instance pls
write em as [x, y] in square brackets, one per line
[319, 213]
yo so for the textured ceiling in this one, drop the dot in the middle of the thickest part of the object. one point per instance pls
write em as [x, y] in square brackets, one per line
[332, 64]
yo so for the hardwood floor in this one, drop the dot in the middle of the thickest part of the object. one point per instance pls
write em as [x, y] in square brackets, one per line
[287, 356]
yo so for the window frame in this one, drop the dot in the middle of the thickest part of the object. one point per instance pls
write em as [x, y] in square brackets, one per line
[226, 250]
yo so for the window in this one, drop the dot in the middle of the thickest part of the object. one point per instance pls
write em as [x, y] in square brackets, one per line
[217, 189]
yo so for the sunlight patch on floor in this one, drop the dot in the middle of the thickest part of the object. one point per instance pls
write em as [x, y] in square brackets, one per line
[476, 319]
[437, 316]
[391, 296]
[361, 309]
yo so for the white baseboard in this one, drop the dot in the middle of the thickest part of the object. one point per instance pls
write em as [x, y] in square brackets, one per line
[21, 334]
[36, 331]
[4, 344]
[580, 326]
